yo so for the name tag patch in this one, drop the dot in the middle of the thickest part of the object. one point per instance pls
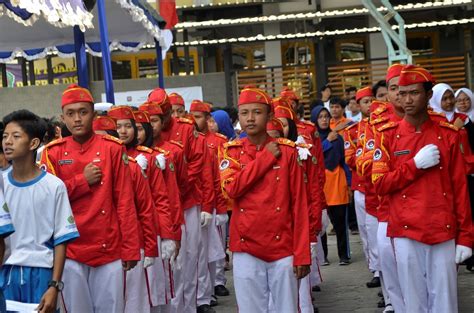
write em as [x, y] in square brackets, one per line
[401, 152]
[65, 162]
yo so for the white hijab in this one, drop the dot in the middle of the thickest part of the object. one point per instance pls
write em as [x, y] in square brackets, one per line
[468, 93]
[435, 101]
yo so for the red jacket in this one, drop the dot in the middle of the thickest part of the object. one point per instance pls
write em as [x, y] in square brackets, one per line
[182, 130]
[165, 215]
[353, 137]
[206, 179]
[145, 210]
[270, 219]
[431, 205]
[105, 213]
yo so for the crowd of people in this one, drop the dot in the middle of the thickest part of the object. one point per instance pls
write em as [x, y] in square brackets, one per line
[127, 209]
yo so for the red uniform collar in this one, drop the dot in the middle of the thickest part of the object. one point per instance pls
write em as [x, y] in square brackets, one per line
[407, 126]
[86, 145]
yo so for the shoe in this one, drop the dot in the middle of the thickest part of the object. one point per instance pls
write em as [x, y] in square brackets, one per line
[316, 289]
[221, 291]
[325, 263]
[380, 294]
[205, 308]
[389, 309]
[316, 310]
[381, 303]
[469, 268]
[374, 283]
[344, 262]
[214, 301]
[354, 232]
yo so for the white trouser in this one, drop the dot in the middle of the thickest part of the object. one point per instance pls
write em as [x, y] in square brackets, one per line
[359, 203]
[315, 277]
[93, 289]
[255, 280]
[220, 264]
[185, 274]
[387, 265]
[159, 281]
[372, 225]
[305, 297]
[427, 275]
[136, 291]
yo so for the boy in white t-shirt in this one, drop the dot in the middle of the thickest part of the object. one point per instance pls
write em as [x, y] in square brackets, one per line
[41, 212]
[6, 229]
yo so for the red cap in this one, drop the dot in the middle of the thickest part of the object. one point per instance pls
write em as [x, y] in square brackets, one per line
[393, 71]
[104, 123]
[414, 75]
[141, 116]
[282, 108]
[275, 124]
[176, 99]
[289, 93]
[364, 92]
[152, 108]
[121, 112]
[159, 96]
[74, 94]
[199, 106]
[254, 95]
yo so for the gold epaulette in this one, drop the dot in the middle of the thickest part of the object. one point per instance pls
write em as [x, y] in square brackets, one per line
[233, 143]
[350, 126]
[185, 120]
[144, 149]
[179, 144]
[161, 150]
[221, 136]
[382, 108]
[113, 139]
[389, 125]
[286, 142]
[448, 125]
[379, 120]
[55, 143]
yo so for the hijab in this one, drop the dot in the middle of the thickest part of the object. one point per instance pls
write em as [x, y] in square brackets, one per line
[468, 93]
[334, 156]
[224, 123]
[435, 101]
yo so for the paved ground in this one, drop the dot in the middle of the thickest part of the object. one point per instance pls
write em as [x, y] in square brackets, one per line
[344, 290]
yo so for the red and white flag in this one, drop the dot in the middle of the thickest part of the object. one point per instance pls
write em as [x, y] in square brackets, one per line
[167, 10]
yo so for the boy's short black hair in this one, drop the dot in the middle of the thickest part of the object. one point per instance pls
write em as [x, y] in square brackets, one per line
[325, 87]
[337, 100]
[378, 85]
[33, 125]
[428, 86]
[350, 88]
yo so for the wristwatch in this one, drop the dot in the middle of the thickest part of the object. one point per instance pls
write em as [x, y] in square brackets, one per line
[59, 285]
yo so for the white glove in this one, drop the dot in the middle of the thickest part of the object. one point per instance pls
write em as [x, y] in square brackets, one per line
[142, 161]
[168, 249]
[206, 219]
[462, 253]
[161, 161]
[148, 262]
[314, 251]
[303, 153]
[221, 219]
[324, 221]
[427, 157]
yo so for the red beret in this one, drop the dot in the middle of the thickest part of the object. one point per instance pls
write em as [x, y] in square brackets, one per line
[74, 94]
[275, 124]
[393, 71]
[152, 108]
[254, 95]
[141, 116]
[199, 106]
[290, 94]
[159, 96]
[121, 112]
[411, 74]
[364, 92]
[176, 99]
[104, 123]
[282, 108]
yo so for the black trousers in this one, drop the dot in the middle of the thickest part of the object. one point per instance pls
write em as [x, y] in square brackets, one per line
[339, 216]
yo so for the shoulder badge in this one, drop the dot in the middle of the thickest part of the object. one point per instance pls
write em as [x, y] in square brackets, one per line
[161, 150]
[233, 143]
[221, 136]
[448, 125]
[286, 142]
[55, 142]
[378, 120]
[179, 144]
[132, 159]
[112, 138]
[380, 110]
[389, 125]
[144, 149]
[185, 120]
[125, 158]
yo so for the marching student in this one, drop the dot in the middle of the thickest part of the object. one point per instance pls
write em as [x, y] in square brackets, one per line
[418, 165]
[269, 231]
[96, 173]
[40, 210]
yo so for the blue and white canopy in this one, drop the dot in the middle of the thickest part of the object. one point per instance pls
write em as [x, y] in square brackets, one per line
[132, 24]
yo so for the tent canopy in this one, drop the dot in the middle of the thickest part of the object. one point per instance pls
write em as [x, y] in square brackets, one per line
[131, 24]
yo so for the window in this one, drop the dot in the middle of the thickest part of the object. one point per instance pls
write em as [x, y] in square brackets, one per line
[351, 50]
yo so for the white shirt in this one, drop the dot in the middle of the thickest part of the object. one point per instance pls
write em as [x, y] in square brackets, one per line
[355, 118]
[42, 215]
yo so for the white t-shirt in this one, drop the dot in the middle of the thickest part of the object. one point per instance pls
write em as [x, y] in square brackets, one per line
[42, 215]
[6, 226]
[355, 118]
